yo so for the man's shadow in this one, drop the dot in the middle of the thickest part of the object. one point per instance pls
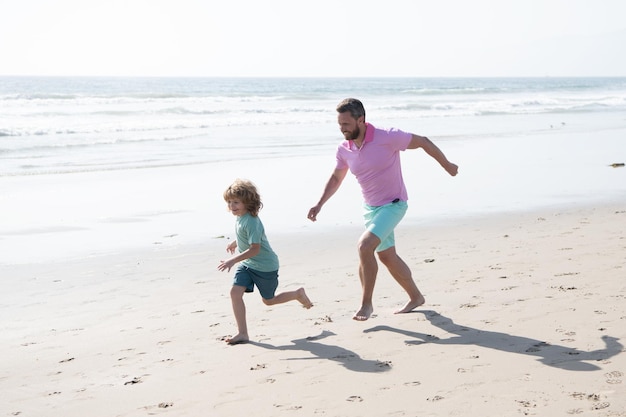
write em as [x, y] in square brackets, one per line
[561, 357]
[346, 358]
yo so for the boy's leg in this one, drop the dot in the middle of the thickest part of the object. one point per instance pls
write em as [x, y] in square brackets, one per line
[239, 309]
[286, 296]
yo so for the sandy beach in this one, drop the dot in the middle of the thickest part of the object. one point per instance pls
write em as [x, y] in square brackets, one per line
[524, 316]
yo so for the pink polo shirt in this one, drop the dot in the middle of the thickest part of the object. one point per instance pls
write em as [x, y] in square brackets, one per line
[376, 165]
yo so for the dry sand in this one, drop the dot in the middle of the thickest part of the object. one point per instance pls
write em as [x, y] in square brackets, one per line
[525, 314]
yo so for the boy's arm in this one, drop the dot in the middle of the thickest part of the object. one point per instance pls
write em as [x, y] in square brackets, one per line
[431, 149]
[251, 252]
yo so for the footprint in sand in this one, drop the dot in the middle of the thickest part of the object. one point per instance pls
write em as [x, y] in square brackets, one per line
[136, 380]
[383, 364]
[526, 403]
[435, 398]
[600, 406]
[321, 320]
[293, 407]
[537, 347]
[614, 377]
[160, 405]
[354, 398]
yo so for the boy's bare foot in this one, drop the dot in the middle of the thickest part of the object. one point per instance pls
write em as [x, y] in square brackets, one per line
[364, 313]
[302, 297]
[411, 305]
[238, 339]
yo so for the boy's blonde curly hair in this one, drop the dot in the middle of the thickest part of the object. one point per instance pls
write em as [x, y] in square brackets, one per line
[245, 191]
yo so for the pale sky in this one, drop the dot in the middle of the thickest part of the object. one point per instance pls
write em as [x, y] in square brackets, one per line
[314, 38]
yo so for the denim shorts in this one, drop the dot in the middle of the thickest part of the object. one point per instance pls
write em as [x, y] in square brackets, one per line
[266, 282]
[382, 220]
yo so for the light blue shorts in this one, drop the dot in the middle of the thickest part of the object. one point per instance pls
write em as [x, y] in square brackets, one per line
[266, 282]
[382, 220]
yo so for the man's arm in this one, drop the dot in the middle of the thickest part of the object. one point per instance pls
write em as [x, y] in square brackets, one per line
[431, 149]
[331, 188]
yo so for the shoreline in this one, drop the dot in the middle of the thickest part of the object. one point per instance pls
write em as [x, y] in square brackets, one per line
[94, 227]
[344, 224]
[506, 163]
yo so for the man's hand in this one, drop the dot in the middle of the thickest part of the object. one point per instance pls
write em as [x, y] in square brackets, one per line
[313, 212]
[452, 169]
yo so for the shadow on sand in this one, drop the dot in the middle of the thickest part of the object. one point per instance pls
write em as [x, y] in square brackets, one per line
[346, 358]
[561, 357]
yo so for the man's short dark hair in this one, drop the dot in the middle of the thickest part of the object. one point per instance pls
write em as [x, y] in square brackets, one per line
[352, 105]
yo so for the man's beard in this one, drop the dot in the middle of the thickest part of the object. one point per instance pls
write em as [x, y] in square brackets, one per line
[355, 134]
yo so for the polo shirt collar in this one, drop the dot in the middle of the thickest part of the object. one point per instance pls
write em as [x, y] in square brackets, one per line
[369, 133]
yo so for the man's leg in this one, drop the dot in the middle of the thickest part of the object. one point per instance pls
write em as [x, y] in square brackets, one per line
[368, 268]
[402, 274]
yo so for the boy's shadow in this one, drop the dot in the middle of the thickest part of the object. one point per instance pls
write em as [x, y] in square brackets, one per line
[561, 357]
[346, 358]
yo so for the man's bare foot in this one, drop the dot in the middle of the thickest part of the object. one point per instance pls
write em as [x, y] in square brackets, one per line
[302, 297]
[411, 305]
[238, 339]
[364, 313]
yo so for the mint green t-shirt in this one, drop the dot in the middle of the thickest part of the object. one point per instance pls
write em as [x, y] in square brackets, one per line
[249, 230]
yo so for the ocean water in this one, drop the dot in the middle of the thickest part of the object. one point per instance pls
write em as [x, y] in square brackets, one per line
[90, 165]
[63, 125]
